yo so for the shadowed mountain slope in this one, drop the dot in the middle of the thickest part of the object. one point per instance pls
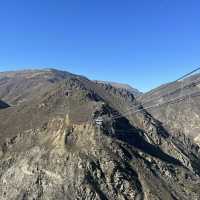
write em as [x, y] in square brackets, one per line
[3, 105]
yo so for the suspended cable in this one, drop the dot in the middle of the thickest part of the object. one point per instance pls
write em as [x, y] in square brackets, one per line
[158, 104]
[178, 79]
[193, 84]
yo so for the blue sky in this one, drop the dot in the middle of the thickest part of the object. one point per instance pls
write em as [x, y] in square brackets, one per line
[140, 42]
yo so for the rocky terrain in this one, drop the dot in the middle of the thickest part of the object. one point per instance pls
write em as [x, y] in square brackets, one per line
[51, 146]
[122, 86]
[182, 116]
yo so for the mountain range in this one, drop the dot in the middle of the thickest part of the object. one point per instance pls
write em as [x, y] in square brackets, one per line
[63, 136]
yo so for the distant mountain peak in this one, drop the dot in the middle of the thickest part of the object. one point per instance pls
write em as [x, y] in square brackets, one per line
[118, 85]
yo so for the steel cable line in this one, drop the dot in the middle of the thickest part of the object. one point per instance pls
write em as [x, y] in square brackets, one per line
[181, 78]
[161, 96]
[195, 94]
[193, 84]
[178, 79]
[171, 101]
[130, 131]
[175, 90]
[188, 74]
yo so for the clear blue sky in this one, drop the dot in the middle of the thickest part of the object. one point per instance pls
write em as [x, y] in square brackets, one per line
[140, 42]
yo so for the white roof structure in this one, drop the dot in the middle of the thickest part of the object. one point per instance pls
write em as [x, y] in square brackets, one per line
[99, 121]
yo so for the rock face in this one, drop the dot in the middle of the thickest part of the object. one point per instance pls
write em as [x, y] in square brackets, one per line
[52, 148]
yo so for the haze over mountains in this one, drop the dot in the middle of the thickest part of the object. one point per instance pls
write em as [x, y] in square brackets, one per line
[51, 146]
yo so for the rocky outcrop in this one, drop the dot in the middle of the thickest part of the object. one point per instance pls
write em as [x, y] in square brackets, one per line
[65, 161]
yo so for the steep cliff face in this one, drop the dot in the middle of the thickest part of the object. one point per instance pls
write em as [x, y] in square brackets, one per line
[52, 147]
